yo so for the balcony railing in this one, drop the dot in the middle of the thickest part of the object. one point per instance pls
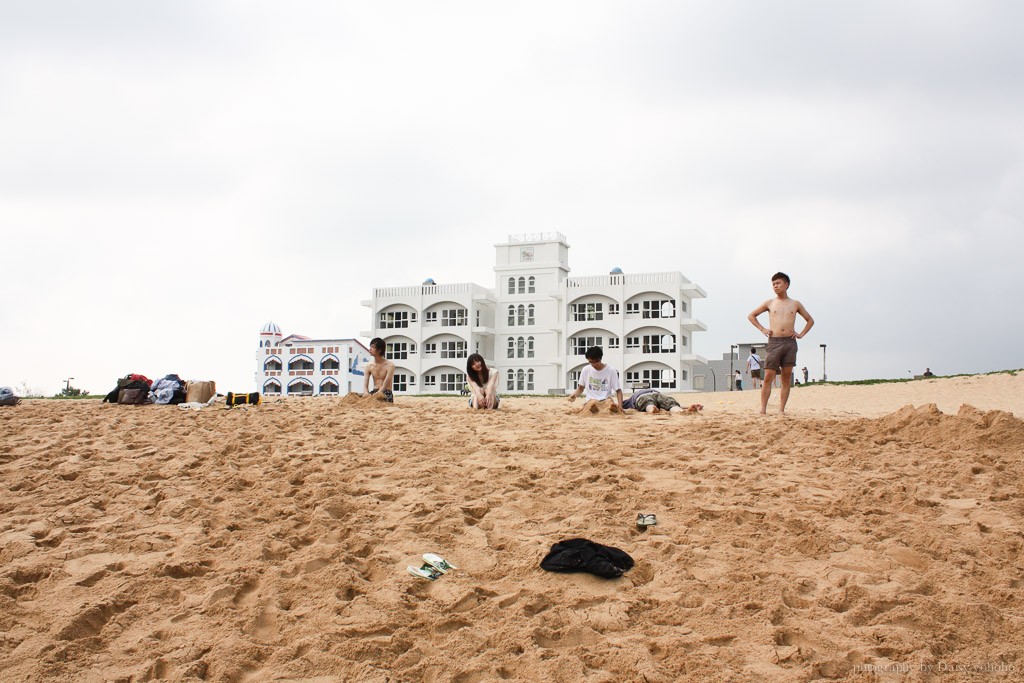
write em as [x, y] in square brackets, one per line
[625, 279]
[536, 237]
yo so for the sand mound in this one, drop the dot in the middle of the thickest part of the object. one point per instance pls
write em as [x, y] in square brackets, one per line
[223, 545]
[969, 428]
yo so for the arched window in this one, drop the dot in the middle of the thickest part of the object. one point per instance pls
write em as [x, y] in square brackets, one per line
[520, 348]
[520, 381]
[511, 386]
[511, 316]
[511, 347]
[329, 386]
[521, 314]
[531, 285]
[529, 379]
[529, 348]
[272, 364]
[329, 363]
[511, 285]
[529, 315]
[522, 285]
[271, 388]
[300, 387]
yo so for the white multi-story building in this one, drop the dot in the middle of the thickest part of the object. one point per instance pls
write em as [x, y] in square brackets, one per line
[299, 366]
[537, 323]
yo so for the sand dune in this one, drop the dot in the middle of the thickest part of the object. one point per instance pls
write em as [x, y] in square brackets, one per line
[874, 533]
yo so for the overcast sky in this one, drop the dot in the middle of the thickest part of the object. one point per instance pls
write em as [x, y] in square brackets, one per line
[175, 174]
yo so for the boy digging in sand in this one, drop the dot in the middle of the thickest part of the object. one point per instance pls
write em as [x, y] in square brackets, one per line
[598, 381]
[782, 336]
[381, 370]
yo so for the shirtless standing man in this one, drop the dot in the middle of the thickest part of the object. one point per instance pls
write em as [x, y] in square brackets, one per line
[782, 336]
[382, 371]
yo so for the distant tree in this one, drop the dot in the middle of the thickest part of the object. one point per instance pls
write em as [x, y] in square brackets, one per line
[71, 392]
[27, 392]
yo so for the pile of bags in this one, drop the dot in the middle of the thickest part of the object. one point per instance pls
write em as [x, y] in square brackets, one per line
[135, 389]
[8, 397]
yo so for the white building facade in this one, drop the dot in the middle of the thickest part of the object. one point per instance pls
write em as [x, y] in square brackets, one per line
[537, 322]
[299, 366]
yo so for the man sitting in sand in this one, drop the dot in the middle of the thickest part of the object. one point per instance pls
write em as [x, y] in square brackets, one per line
[598, 381]
[381, 370]
[782, 336]
[653, 401]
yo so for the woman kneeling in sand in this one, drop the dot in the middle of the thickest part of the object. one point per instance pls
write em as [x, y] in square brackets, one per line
[483, 383]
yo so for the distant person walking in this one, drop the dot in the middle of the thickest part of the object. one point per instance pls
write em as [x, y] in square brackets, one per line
[928, 373]
[754, 368]
[782, 335]
[805, 374]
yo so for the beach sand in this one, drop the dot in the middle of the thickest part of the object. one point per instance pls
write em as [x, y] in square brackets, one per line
[873, 533]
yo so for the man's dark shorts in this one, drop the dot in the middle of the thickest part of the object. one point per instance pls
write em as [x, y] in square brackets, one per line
[388, 396]
[755, 374]
[781, 353]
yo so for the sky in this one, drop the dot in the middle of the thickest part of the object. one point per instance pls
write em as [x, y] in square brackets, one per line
[173, 175]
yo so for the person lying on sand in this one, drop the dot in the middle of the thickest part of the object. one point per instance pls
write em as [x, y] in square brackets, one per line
[653, 401]
[598, 381]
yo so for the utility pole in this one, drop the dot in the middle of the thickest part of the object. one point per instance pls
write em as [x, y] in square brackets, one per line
[824, 376]
[732, 383]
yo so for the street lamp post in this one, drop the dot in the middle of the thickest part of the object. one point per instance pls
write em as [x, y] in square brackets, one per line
[732, 383]
[824, 376]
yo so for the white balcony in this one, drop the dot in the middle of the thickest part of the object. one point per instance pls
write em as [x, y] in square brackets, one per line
[693, 325]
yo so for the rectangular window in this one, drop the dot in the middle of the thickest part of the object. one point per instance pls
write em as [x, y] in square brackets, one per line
[683, 341]
[613, 309]
[429, 348]
[451, 317]
[682, 306]
[453, 349]
[429, 380]
[430, 317]
[632, 342]
[658, 343]
[660, 379]
[613, 342]
[659, 308]
[400, 382]
[633, 377]
[586, 312]
[396, 351]
[574, 379]
[633, 308]
[581, 344]
[452, 381]
[394, 319]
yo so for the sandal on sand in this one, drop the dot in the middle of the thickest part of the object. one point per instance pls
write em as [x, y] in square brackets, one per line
[438, 563]
[645, 521]
[425, 572]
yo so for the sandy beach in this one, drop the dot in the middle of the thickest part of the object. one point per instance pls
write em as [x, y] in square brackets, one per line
[874, 533]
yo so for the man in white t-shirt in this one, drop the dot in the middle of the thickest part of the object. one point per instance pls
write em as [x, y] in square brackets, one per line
[754, 368]
[599, 382]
